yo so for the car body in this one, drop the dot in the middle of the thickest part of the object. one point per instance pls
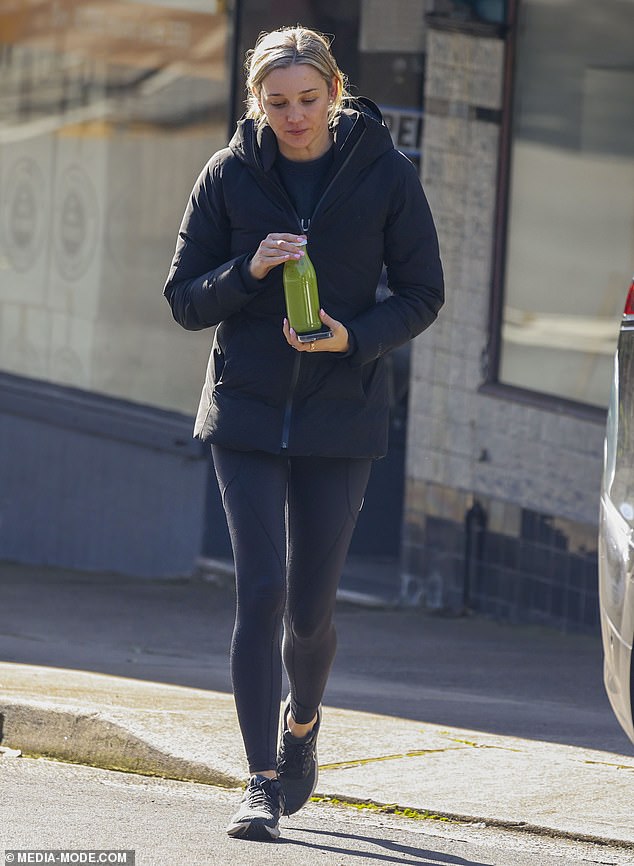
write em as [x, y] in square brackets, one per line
[616, 530]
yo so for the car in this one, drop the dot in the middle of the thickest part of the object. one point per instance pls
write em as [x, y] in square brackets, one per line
[616, 530]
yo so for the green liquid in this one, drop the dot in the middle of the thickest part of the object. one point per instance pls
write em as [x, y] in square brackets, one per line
[302, 296]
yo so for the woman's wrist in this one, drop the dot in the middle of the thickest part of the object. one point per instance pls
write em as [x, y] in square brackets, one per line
[351, 344]
[254, 272]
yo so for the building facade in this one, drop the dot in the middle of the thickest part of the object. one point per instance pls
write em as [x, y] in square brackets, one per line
[532, 185]
[519, 115]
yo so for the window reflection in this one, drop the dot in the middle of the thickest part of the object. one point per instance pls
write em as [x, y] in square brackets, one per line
[108, 111]
[570, 243]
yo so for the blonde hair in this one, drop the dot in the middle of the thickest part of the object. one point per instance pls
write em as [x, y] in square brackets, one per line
[284, 47]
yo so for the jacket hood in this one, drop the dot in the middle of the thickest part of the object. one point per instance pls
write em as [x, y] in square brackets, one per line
[360, 122]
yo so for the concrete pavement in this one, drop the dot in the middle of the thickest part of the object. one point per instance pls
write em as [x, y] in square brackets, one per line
[108, 671]
[51, 805]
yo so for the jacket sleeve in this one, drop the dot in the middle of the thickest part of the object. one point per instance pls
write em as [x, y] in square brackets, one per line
[414, 274]
[204, 285]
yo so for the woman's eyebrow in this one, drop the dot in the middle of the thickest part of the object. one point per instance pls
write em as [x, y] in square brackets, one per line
[308, 90]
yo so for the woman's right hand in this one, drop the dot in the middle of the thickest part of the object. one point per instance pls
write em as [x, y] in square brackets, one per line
[274, 250]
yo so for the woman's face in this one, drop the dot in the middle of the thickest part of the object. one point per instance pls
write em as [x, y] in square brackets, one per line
[295, 100]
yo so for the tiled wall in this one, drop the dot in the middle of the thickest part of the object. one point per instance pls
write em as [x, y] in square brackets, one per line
[536, 471]
[480, 553]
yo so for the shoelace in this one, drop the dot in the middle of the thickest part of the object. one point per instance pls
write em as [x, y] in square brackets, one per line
[262, 795]
[295, 758]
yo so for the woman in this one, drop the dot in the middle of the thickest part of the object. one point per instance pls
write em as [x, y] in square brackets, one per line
[293, 437]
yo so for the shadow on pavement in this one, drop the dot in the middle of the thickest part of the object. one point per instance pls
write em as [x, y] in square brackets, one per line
[405, 855]
[469, 673]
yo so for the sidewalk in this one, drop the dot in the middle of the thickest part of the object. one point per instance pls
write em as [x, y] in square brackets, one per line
[109, 671]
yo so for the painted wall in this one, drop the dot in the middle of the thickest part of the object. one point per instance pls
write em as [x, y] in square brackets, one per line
[87, 483]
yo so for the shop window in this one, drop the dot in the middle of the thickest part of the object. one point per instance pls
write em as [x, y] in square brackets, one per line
[108, 111]
[570, 242]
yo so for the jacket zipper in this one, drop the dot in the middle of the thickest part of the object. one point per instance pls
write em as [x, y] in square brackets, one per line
[282, 191]
[332, 180]
[288, 409]
[304, 226]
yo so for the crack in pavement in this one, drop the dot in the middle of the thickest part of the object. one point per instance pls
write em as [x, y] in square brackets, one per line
[359, 762]
[483, 745]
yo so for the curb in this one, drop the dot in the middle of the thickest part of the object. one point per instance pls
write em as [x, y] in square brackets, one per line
[344, 800]
[92, 739]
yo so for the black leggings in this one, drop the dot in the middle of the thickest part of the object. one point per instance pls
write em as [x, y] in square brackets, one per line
[291, 520]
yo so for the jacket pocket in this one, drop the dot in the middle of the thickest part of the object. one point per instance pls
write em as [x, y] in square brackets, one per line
[216, 364]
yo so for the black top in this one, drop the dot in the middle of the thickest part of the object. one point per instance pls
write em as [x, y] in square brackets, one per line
[303, 181]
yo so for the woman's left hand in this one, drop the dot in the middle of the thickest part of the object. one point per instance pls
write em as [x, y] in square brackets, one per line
[337, 343]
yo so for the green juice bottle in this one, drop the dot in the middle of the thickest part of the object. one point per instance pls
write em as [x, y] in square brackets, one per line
[302, 296]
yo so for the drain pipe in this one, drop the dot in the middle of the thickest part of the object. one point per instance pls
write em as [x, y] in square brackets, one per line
[475, 522]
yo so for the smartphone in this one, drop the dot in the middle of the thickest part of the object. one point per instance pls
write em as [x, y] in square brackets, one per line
[311, 336]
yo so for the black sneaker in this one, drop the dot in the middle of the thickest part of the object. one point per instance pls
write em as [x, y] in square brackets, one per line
[258, 817]
[297, 768]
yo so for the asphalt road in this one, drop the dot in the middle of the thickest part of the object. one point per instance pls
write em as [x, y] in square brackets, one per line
[52, 806]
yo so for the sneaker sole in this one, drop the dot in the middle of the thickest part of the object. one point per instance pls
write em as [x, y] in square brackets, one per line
[253, 831]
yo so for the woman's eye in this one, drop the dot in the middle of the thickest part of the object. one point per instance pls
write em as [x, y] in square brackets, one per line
[283, 104]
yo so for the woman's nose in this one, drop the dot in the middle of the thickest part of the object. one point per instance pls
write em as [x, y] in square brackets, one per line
[294, 113]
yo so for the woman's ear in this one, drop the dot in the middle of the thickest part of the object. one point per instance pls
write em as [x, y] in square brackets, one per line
[334, 89]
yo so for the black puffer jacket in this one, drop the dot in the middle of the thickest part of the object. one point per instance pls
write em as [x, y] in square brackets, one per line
[259, 392]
